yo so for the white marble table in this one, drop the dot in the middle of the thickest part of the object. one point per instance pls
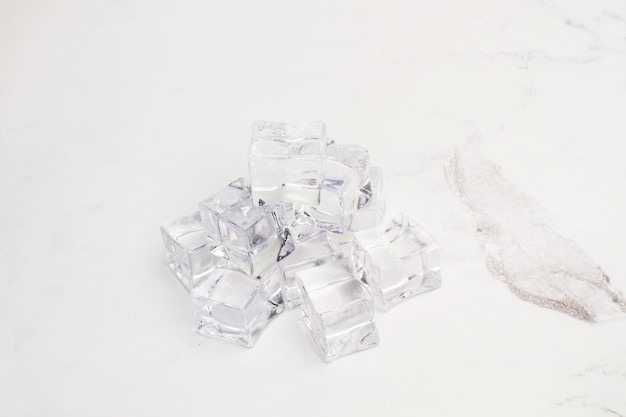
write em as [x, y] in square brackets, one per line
[117, 116]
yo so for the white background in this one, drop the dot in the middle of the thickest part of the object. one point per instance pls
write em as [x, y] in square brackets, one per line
[117, 116]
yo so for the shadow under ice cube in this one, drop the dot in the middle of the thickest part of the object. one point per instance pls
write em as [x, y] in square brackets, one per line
[397, 260]
[188, 250]
[337, 310]
[230, 305]
[286, 161]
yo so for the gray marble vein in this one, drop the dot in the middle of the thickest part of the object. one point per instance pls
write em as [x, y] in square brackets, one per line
[599, 388]
[539, 265]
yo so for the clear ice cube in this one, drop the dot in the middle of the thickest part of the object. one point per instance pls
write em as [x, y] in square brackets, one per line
[397, 260]
[303, 226]
[189, 252]
[371, 202]
[252, 236]
[317, 249]
[230, 305]
[344, 240]
[271, 288]
[337, 310]
[344, 175]
[212, 207]
[286, 161]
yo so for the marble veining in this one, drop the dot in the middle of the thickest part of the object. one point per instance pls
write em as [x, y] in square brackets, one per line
[539, 265]
[608, 399]
[113, 114]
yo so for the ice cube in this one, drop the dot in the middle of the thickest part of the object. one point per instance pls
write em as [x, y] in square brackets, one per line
[344, 175]
[316, 249]
[337, 310]
[397, 260]
[189, 252]
[271, 288]
[252, 236]
[371, 202]
[230, 305]
[344, 240]
[212, 207]
[286, 161]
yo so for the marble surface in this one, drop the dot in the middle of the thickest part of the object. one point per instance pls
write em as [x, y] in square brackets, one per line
[117, 116]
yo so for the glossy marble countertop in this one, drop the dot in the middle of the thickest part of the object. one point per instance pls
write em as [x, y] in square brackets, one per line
[118, 116]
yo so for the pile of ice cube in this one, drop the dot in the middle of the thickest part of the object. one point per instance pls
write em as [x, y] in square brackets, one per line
[305, 230]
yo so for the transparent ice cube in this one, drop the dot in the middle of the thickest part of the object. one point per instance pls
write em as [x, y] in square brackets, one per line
[271, 289]
[212, 207]
[252, 236]
[189, 252]
[298, 230]
[286, 161]
[344, 240]
[344, 175]
[230, 305]
[371, 202]
[284, 212]
[317, 277]
[397, 260]
[317, 249]
[337, 309]
[303, 226]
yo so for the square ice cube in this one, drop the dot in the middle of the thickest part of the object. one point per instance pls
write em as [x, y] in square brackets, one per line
[315, 250]
[271, 288]
[344, 240]
[303, 226]
[371, 202]
[284, 212]
[300, 228]
[317, 277]
[188, 250]
[337, 310]
[344, 175]
[252, 236]
[286, 161]
[397, 260]
[212, 207]
[230, 305]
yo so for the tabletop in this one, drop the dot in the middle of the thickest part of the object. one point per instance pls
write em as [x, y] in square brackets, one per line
[118, 116]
